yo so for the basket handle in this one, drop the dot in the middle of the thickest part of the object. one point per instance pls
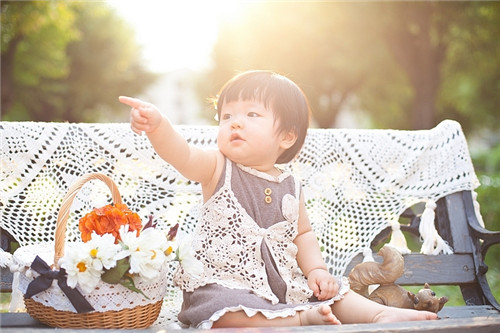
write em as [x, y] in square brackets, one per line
[62, 217]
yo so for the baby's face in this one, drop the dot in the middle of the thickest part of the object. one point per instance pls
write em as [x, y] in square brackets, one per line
[248, 134]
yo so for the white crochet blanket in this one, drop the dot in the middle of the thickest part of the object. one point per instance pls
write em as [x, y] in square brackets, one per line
[356, 182]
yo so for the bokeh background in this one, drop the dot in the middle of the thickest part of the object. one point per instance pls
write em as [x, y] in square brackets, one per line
[363, 64]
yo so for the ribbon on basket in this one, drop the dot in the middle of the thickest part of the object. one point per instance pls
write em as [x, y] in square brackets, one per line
[45, 279]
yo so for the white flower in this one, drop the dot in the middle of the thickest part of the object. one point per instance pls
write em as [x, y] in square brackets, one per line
[170, 251]
[81, 269]
[187, 259]
[147, 252]
[103, 250]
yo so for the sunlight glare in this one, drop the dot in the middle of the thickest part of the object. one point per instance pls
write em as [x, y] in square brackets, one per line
[177, 34]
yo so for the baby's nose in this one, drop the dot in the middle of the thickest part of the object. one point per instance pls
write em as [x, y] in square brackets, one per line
[236, 123]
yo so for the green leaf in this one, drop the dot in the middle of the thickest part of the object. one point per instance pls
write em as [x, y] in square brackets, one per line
[115, 274]
[128, 282]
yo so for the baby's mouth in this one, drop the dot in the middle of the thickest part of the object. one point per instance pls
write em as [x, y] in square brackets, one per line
[235, 137]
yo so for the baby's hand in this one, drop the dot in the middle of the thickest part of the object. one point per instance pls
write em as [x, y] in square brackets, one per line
[144, 117]
[323, 284]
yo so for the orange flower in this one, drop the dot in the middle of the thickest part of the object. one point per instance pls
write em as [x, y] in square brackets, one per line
[108, 220]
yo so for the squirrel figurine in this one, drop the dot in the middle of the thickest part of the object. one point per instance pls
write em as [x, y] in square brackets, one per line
[389, 293]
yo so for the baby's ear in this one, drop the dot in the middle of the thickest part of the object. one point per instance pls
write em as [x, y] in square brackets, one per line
[288, 139]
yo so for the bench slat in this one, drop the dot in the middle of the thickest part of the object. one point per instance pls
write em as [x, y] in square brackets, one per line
[483, 318]
[452, 223]
[441, 269]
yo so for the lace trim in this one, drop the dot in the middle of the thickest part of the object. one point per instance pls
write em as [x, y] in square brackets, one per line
[272, 314]
[225, 220]
[276, 179]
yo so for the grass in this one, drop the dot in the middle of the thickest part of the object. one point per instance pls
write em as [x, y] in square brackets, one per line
[493, 274]
[4, 302]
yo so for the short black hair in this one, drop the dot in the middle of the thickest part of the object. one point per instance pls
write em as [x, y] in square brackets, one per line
[276, 92]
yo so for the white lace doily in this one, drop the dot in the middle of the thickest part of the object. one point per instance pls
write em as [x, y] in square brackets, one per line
[356, 182]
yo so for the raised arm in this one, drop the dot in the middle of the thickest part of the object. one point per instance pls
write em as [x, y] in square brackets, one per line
[193, 163]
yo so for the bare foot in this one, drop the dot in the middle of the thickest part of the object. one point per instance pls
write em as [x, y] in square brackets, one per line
[392, 314]
[322, 315]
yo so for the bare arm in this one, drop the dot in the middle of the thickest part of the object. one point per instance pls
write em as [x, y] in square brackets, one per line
[193, 163]
[310, 260]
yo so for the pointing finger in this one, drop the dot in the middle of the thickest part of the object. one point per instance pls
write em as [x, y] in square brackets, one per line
[133, 102]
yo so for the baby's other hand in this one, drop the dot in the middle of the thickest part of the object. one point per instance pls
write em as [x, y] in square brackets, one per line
[144, 116]
[323, 284]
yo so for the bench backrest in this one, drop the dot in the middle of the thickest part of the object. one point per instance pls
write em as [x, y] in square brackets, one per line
[356, 182]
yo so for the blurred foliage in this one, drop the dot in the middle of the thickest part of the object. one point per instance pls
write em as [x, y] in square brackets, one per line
[66, 61]
[406, 64]
[487, 165]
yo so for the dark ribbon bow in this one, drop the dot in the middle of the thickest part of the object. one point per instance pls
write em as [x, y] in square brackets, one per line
[44, 281]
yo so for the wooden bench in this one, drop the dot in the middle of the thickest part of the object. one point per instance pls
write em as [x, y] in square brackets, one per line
[56, 154]
[456, 221]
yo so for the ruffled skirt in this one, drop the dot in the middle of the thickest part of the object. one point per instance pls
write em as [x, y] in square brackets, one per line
[202, 307]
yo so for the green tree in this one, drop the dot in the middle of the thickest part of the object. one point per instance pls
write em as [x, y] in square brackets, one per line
[470, 90]
[302, 40]
[408, 65]
[97, 59]
[34, 38]
[487, 165]
[445, 50]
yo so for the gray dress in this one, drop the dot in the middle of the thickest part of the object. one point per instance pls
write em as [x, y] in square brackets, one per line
[209, 302]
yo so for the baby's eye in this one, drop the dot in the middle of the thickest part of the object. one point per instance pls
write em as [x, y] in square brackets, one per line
[226, 116]
[253, 114]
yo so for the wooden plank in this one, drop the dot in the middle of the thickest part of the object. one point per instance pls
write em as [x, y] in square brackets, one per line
[469, 325]
[5, 280]
[450, 312]
[18, 319]
[452, 223]
[470, 319]
[452, 269]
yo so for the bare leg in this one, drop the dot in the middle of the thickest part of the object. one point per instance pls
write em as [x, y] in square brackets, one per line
[317, 316]
[368, 311]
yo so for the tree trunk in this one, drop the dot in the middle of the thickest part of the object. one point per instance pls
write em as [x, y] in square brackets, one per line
[411, 43]
[7, 83]
[426, 84]
[425, 78]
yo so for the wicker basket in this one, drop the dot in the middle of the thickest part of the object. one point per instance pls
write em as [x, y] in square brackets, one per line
[140, 316]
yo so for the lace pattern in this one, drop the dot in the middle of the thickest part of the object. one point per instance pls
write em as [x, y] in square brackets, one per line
[228, 243]
[355, 182]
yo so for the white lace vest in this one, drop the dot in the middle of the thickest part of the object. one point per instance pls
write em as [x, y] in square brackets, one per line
[227, 241]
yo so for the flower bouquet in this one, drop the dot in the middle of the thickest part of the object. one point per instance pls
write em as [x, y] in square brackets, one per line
[115, 247]
[115, 277]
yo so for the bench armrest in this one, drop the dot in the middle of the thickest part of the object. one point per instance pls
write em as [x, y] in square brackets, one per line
[482, 240]
[488, 237]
